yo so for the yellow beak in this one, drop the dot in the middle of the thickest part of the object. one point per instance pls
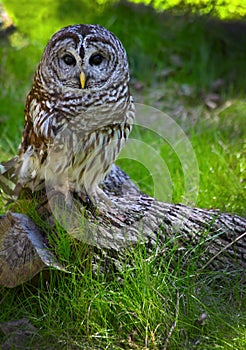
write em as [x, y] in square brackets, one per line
[82, 79]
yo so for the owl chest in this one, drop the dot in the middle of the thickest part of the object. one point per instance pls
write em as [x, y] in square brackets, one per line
[92, 157]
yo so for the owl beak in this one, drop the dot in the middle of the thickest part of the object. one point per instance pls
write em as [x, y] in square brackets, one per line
[82, 78]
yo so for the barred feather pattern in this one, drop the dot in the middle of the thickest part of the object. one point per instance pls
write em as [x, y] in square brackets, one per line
[74, 133]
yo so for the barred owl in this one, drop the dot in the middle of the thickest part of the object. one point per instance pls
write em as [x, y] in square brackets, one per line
[78, 113]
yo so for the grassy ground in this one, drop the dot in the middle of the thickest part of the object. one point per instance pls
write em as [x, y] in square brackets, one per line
[194, 71]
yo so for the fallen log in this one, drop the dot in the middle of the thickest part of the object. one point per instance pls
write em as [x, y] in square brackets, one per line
[133, 218]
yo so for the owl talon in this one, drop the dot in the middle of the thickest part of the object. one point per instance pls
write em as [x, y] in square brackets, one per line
[100, 199]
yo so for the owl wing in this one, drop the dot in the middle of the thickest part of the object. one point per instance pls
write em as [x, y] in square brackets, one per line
[42, 125]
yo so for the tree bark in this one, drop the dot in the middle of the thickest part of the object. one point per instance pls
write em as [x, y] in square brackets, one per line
[134, 218]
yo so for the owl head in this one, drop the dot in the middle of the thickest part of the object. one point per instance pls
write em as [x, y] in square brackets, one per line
[83, 57]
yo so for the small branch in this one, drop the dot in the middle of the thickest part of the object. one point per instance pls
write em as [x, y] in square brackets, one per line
[174, 324]
[224, 249]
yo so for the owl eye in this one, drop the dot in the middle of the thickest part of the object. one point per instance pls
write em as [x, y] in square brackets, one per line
[69, 60]
[96, 59]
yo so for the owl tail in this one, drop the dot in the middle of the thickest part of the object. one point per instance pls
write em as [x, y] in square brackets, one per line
[7, 176]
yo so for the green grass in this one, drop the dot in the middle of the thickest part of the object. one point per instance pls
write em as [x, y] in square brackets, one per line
[153, 300]
[136, 308]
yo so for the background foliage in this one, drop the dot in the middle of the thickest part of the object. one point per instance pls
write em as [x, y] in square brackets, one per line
[224, 9]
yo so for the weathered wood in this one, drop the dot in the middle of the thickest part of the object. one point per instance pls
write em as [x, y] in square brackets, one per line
[17, 334]
[133, 218]
[23, 252]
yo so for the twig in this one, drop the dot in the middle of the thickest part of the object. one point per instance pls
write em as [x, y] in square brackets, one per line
[174, 323]
[223, 249]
